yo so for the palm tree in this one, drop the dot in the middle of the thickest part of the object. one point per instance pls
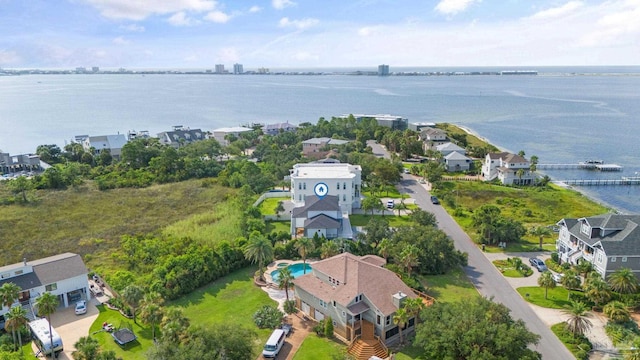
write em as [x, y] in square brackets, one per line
[578, 322]
[16, 318]
[304, 246]
[414, 307]
[616, 311]
[584, 268]
[174, 325]
[285, 281]
[401, 318]
[596, 289]
[9, 294]
[87, 348]
[132, 295]
[329, 249]
[520, 174]
[571, 280]
[541, 232]
[47, 304]
[384, 247]
[409, 258]
[258, 249]
[547, 282]
[623, 281]
[151, 311]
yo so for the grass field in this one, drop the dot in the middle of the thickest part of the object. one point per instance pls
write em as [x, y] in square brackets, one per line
[317, 348]
[532, 206]
[268, 206]
[394, 221]
[73, 219]
[557, 298]
[454, 286]
[135, 350]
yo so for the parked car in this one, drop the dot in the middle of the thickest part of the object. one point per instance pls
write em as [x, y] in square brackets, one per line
[287, 329]
[538, 264]
[557, 277]
[434, 200]
[406, 171]
[81, 307]
[390, 204]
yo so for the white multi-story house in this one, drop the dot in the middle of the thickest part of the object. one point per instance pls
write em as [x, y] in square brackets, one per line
[320, 216]
[455, 161]
[316, 179]
[608, 242]
[113, 143]
[505, 167]
[221, 134]
[63, 275]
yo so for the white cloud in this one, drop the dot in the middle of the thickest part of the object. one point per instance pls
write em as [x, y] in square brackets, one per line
[368, 31]
[228, 54]
[181, 19]
[133, 28]
[255, 9]
[281, 4]
[618, 26]
[305, 56]
[9, 57]
[141, 9]
[298, 24]
[121, 41]
[452, 7]
[217, 17]
[568, 8]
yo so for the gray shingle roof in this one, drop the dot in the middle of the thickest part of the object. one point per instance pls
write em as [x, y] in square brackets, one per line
[321, 221]
[314, 203]
[50, 270]
[623, 233]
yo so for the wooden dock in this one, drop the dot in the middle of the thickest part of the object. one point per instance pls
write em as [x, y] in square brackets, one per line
[602, 182]
[581, 166]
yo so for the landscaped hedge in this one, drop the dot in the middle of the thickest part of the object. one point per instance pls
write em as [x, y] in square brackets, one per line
[578, 345]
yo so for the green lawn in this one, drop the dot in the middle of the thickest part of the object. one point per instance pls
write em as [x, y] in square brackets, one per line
[231, 299]
[278, 226]
[133, 351]
[394, 221]
[268, 206]
[454, 286]
[389, 191]
[317, 348]
[557, 297]
[409, 352]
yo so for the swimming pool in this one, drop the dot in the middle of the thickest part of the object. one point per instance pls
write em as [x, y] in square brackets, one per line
[296, 270]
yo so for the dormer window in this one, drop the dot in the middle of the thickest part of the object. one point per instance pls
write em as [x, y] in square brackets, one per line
[585, 229]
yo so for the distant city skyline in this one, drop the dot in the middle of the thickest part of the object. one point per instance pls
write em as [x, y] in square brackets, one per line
[313, 34]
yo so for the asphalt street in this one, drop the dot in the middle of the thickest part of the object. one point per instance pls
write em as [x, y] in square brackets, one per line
[484, 276]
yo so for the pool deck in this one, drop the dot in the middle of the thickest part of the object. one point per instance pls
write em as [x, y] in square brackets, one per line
[274, 266]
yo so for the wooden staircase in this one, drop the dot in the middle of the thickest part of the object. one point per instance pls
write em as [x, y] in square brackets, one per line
[367, 344]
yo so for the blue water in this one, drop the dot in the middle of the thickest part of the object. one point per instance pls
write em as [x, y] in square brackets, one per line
[555, 115]
[296, 270]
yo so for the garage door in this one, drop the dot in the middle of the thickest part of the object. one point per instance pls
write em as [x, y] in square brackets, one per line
[319, 316]
[305, 308]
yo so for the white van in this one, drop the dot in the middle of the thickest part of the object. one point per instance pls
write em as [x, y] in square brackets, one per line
[274, 344]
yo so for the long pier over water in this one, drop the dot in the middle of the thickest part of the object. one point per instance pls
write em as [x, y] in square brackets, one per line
[602, 182]
[581, 166]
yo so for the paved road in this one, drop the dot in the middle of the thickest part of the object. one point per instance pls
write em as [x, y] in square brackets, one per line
[484, 276]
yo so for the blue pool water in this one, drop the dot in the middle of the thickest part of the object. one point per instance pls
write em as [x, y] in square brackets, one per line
[296, 270]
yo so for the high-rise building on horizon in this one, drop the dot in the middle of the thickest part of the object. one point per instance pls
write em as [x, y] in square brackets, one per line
[238, 69]
[383, 70]
[219, 69]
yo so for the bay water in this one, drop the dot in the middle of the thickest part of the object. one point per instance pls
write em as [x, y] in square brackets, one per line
[563, 115]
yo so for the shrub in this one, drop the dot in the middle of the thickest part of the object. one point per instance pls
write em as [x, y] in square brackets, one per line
[290, 307]
[555, 257]
[578, 345]
[328, 327]
[268, 317]
[622, 333]
[319, 328]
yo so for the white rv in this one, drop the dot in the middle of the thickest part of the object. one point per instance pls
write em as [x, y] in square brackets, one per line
[274, 344]
[42, 337]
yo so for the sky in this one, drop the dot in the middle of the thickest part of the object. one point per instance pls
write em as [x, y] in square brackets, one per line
[197, 34]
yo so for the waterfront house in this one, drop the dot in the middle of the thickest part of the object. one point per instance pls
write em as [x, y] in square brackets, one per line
[180, 136]
[607, 241]
[275, 129]
[394, 122]
[359, 295]
[506, 168]
[100, 143]
[63, 275]
[16, 164]
[222, 134]
[432, 137]
[449, 147]
[456, 161]
[339, 179]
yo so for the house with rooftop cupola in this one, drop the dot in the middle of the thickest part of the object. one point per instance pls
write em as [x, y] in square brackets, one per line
[358, 294]
[180, 136]
[608, 242]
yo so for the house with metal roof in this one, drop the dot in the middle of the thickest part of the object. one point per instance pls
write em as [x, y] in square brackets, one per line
[275, 129]
[319, 147]
[359, 295]
[63, 275]
[455, 161]
[100, 143]
[607, 241]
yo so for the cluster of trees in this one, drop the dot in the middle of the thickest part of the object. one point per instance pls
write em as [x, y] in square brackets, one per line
[477, 329]
[494, 228]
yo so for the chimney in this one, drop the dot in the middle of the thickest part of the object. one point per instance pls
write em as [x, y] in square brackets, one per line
[398, 299]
